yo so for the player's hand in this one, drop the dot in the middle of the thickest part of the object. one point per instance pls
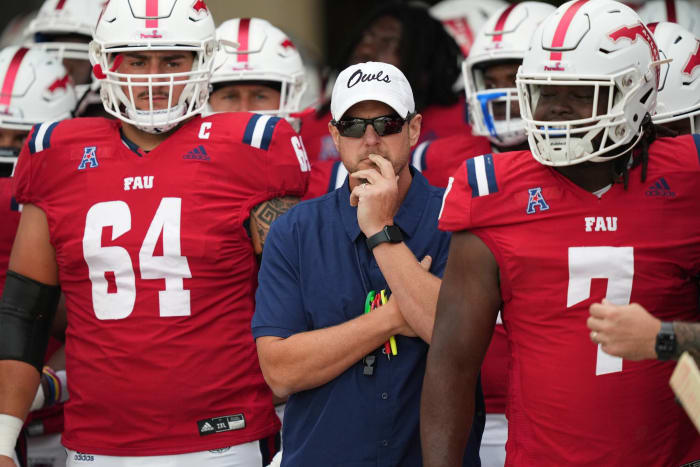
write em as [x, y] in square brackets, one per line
[7, 462]
[627, 331]
[377, 197]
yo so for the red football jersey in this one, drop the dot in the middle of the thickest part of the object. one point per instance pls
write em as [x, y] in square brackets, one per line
[441, 122]
[437, 160]
[559, 249]
[9, 213]
[159, 275]
[326, 176]
[317, 139]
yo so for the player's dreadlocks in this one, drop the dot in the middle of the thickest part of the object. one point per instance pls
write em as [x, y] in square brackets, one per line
[429, 55]
[640, 154]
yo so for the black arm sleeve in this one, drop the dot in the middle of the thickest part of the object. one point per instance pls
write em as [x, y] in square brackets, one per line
[27, 308]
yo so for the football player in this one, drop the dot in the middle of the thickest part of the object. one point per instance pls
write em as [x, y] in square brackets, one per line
[143, 221]
[64, 28]
[542, 239]
[678, 106]
[492, 98]
[257, 69]
[36, 88]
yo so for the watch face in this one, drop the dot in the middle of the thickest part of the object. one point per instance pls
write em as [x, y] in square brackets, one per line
[665, 343]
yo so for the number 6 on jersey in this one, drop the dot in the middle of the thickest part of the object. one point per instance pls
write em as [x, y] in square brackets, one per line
[174, 300]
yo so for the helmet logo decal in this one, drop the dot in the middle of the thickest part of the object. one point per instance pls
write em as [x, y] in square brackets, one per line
[693, 61]
[459, 27]
[152, 35]
[562, 27]
[287, 43]
[61, 83]
[243, 33]
[152, 13]
[9, 82]
[199, 6]
[638, 30]
[501, 23]
[60, 4]
[558, 66]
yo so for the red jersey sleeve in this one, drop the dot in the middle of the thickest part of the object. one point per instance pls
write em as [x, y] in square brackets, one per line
[29, 182]
[276, 161]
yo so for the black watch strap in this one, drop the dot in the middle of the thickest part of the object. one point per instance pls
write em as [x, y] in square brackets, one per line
[665, 341]
[390, 233]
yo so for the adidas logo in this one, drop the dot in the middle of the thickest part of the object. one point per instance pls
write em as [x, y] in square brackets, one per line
[660, 189]
[198, 153]
[206, 427]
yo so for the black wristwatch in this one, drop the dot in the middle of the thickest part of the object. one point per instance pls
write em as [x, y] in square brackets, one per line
[390, 233]
[666, 341]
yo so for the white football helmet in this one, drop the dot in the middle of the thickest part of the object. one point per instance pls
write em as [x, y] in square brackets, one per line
[464, 18]
[252, 49]
[153, 25]
[602, 45]
[679, 88]
[66, 17]
[36, 88]
[505, 37]
[685, 13]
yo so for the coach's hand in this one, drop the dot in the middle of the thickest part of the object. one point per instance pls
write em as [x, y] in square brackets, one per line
[377, 199]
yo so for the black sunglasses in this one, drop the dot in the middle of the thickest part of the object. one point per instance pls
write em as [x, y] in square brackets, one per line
[383, 125]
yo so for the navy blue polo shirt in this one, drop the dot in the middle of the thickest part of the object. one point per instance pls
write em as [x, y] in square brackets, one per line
[316, 272]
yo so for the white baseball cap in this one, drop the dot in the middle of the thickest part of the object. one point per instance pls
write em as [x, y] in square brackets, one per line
[372, 81]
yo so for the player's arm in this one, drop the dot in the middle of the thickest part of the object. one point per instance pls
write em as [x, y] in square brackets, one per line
[467, 308]
[26, 310]
[263, 215]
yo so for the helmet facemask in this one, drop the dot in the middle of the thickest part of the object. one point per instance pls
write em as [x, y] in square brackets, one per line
[620, 104]
[491, 112]
[120, 91]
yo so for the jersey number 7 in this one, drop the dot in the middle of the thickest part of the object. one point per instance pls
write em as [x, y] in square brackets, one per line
[174, 300]
[616, 264]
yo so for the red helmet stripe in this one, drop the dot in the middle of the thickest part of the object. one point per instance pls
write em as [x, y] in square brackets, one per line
[59, 5]
[671, 11]
[500, 24]
[152, 11]
[563, 26]
[652, 27]
[243, 32]
[9, 82]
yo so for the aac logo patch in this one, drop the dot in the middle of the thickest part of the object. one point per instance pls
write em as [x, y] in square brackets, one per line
[89, 157]
[536, 200]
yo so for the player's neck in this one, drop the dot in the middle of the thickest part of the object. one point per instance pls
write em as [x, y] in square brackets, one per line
[591, 176]
[144, 140]
[524, 146]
